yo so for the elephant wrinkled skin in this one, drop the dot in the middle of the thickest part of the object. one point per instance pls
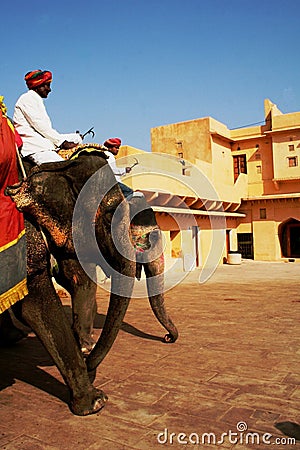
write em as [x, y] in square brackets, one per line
[47, 198]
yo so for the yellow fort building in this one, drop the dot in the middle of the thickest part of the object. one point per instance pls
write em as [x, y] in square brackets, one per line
[205, 181]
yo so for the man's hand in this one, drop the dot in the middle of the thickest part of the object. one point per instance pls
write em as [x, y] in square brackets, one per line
[128, 169]
[66, 145]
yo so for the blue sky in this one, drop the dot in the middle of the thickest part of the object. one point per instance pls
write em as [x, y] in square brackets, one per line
[125, 66]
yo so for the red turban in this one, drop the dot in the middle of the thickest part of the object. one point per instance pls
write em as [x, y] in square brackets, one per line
[112, 142]
[36, 78]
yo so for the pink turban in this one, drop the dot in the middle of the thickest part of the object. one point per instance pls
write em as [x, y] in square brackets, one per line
[36, 78]
[112, 142]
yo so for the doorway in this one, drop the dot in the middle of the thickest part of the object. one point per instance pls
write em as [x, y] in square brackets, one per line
[245, 245]
[289, 236]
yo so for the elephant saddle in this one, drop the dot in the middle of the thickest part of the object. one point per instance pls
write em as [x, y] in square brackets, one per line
[74, 152]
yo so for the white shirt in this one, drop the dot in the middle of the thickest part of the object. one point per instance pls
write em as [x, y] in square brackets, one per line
[34, 126]
[118, 172]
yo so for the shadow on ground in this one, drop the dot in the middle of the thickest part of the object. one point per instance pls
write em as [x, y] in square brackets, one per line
[290, 429]
[23, 361]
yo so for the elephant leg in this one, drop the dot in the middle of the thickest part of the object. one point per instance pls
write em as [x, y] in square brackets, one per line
[83, 293]
[16, 309]
[9, 333]
[43, 311]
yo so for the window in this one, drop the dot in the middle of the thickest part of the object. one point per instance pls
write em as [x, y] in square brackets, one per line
[293, 161]
[262, 213]
[239, 165]
[257, 156]
[291, 147]
[179, 149]
[258, 169]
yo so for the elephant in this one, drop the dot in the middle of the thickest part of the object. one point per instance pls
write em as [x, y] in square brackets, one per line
[48, 198]
[42, 310]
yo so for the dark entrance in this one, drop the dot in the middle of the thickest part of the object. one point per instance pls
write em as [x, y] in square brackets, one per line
[295, 240]
[245, 245]
[289, 236]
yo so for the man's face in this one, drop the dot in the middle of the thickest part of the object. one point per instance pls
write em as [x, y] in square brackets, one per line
[114, 150]
[43, 90]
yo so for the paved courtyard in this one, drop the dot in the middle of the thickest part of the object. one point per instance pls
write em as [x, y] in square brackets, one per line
[234, 369]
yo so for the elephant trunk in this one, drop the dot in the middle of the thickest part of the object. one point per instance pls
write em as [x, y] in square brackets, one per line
[154, 270]
[117, 308]
[155, 287]
[122, 271]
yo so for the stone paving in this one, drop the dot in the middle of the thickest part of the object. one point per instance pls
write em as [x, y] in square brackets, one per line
[236, 365]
